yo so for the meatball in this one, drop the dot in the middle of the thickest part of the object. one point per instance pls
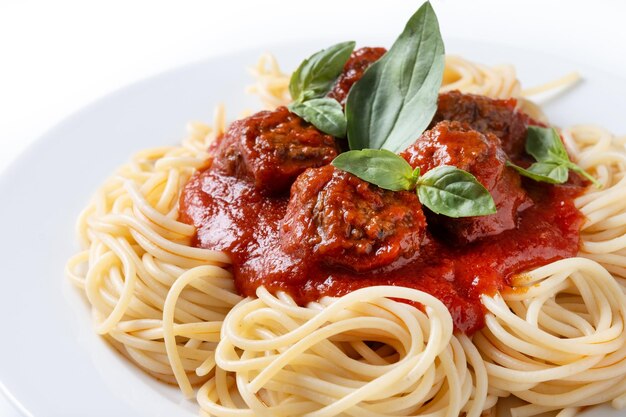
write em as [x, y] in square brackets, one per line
[487, 115]
[457, 144]
[340, 220]
[359, 61]
[272, 148]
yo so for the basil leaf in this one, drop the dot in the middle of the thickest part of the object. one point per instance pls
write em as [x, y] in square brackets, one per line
[395, 100]
[379, 167]
[325, 114]
[416, 174]
[543, 172]
[445, 190]
[453, 192]
[545, 145]
[553, 163]
[316, 74]
[584, 173]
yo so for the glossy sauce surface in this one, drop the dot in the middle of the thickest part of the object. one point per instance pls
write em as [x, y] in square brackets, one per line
[231, 215]
[292, 223]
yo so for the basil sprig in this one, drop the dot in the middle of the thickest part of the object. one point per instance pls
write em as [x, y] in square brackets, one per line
[387, 110]
[324, 113]
[316, 74]
[395, 100]
[312, 81]
[553, 163]
[445, 189]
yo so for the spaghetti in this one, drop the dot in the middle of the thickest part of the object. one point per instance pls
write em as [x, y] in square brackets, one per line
[556, 339]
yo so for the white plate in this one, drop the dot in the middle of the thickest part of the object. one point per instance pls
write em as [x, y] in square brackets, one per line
[51, 362]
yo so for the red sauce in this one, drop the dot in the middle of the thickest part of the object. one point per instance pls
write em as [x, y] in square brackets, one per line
[359, 61]
[232, 214]
[234, 217]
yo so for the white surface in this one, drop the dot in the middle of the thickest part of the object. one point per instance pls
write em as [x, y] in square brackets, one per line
[58, 56]
[55, 56]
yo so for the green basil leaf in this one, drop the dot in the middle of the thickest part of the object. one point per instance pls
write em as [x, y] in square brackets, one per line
[316, 74]
[545, 145]
[553, 162]
[416, 174]
[453, 192]
[584, 173]
[543, 172]
[378, 166]
[395, 100]
[325, 114]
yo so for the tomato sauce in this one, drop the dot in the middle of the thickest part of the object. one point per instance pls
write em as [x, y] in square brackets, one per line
[231, 215]
[292, 223]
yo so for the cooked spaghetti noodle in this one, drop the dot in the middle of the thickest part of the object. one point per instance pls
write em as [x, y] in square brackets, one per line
[556, 339]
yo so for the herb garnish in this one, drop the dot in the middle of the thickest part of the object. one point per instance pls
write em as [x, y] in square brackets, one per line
[553, 163]
[395, 100]
[312, 81]
[324, 113]
[386, 110]
[445, 189]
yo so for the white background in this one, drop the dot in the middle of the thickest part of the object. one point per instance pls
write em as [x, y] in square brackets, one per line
[57, 56]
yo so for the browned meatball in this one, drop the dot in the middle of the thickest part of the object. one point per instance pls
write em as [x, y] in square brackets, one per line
[339, 219]
[487, 115]
[359, 61]
[272, 148]
[456, 144]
